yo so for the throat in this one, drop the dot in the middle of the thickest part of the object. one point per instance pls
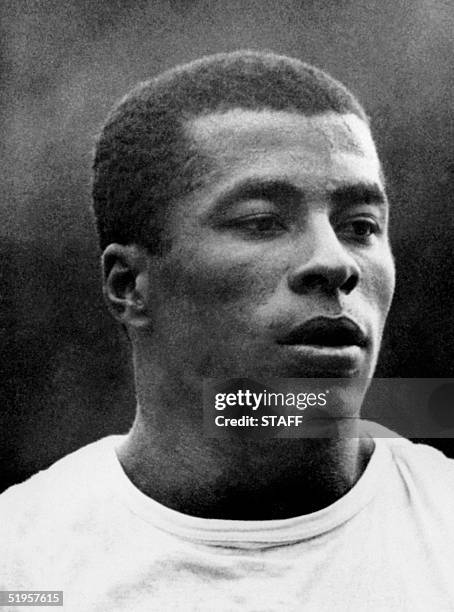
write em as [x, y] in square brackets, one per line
[246, 480]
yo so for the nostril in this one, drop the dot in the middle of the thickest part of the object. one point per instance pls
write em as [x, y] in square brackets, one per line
[313, 281]
[350, 284]
[328, 281]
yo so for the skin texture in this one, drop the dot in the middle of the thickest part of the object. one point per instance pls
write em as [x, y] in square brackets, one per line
[290, 223]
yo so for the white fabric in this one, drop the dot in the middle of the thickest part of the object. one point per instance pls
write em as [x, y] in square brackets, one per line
[83, 528]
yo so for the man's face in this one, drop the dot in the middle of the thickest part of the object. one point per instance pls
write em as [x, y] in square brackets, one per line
[280, 263]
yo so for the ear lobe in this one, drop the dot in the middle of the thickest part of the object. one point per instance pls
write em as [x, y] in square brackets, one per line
[125, 283]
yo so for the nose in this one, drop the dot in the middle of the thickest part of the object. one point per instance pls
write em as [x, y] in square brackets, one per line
[327, 264]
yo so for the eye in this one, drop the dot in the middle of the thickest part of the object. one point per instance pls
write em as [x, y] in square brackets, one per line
[258, 225]
[364, 227]
[361, 230]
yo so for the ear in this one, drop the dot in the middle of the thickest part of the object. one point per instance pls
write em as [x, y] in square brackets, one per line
[125, 283]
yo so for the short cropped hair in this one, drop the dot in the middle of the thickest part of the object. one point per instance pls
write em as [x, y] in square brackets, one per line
[144, 157]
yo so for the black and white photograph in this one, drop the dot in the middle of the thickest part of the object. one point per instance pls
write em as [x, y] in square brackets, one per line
[226, 306]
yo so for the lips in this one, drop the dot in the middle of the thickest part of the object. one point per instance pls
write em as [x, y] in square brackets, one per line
[326, 332]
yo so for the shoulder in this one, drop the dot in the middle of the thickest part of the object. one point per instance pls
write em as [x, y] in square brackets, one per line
[51, 507]
[417, 460]
[73, 476]
[55, 510]
[427, 474]
[422, 457]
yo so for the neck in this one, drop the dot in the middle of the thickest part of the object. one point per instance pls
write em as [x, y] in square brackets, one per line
[167, 456]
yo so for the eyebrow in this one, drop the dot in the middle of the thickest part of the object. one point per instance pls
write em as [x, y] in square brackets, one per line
[358, 193]
[281, 190]
[259, 188]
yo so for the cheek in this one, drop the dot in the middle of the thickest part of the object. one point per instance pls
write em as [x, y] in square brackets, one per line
[216, 276]
[381, 283]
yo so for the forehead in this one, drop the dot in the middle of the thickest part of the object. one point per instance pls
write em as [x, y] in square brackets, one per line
[268, 142]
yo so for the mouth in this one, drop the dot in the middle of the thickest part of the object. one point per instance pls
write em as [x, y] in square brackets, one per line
[325, 332]
[326, 347]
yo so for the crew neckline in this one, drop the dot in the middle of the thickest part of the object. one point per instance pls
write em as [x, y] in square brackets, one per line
[243, 533]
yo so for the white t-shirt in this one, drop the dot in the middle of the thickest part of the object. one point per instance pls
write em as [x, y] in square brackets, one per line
[82, 527]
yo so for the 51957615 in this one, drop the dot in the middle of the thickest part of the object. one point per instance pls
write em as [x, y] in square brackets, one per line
[31, 598]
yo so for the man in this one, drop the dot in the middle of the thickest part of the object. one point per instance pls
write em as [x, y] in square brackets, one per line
[243, 220]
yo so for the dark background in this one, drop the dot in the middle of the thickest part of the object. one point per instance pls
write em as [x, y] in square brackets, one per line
[65, 374]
